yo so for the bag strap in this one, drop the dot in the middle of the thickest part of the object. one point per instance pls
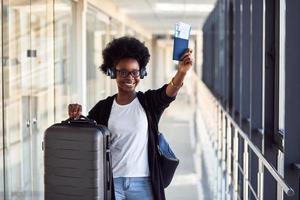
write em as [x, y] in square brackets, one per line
[151, 121]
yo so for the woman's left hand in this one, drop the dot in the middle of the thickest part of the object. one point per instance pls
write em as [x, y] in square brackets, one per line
[186, 61]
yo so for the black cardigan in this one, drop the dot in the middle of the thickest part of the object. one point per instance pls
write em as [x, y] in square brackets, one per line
[154, 103]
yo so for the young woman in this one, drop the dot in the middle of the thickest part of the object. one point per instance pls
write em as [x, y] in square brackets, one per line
[132, 118]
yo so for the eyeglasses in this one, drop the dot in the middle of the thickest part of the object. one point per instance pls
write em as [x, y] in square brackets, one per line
[124, 73]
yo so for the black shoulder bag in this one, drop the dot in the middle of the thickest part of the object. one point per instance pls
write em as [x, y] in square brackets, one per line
[167, 160]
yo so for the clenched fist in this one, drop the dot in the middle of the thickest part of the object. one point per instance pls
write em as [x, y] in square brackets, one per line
[74, 110]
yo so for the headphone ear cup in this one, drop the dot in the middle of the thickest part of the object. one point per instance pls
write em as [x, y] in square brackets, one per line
[108, 72]
[111, 72]
[143, 73]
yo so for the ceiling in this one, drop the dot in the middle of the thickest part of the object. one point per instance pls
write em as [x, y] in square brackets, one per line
[159, 16]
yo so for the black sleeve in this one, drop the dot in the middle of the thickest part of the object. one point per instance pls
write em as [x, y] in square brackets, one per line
[158, 99]
[94, 113]
[101, 111]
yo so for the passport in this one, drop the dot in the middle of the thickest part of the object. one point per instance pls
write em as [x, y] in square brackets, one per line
[181, 39]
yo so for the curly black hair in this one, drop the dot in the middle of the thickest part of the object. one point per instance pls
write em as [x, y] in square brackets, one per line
[124, 47]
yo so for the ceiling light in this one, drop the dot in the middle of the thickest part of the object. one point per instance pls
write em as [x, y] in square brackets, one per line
[179, 7]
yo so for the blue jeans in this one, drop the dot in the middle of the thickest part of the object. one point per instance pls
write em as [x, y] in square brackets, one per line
[133, 188]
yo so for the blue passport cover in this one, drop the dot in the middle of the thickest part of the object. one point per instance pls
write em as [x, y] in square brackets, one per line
[179, 46]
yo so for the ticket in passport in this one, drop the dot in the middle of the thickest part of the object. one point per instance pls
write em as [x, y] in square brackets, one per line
[181, 39]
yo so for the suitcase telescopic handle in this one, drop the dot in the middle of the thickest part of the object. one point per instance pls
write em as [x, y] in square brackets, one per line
[80, 119]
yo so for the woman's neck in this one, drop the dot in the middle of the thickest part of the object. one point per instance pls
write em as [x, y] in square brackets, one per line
[125, 98]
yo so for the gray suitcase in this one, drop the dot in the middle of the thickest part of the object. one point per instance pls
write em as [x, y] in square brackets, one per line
[77, 161]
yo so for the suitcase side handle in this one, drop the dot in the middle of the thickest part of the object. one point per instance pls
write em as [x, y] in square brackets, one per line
[109, 172]
[80, 119]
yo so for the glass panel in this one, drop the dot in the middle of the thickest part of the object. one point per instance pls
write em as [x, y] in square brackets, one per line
[41, 99]
[65, 51]
[115, 28]
[17, 83]
[27, 83]
[95, 41]
[115, 32]
[1, 118]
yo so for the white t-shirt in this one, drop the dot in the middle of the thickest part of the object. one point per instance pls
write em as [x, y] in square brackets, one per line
[129, 140]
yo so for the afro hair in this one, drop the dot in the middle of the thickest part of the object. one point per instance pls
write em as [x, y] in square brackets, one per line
[124, 47]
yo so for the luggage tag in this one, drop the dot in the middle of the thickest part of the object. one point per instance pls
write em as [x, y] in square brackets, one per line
[181, 39]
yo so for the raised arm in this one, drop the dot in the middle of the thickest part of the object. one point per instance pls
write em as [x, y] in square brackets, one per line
[183, 66]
